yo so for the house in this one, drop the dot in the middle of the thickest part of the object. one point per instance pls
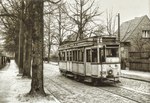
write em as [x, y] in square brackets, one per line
[134, 36]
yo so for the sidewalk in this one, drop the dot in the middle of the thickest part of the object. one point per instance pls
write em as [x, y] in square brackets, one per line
[51, 62]
[13, 87]
[139, 75]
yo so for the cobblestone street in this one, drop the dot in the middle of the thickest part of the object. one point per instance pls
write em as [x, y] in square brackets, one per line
[68, 90]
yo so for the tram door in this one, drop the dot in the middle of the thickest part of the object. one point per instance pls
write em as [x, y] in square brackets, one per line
[94, 62]
[88, 62]
[69, 61]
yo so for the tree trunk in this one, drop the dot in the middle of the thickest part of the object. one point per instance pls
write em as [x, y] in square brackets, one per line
[27, 55]
[49, 41]
[60, 24]
[28, 41]
[37, 87]
[21, 41]
[49, 48]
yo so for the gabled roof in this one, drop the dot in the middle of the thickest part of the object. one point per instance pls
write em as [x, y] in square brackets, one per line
[128, 27]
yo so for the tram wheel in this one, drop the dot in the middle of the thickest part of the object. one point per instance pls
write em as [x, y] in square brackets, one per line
[78, 78]
[75, 77]
[95, 82]
[118, 81]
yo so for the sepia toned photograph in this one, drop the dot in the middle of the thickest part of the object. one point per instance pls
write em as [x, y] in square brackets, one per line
[74, 51]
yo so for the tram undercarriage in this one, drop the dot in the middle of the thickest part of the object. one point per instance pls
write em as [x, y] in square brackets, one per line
[94, 80]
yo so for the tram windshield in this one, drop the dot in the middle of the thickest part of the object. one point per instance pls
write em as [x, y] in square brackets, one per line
[112, 52]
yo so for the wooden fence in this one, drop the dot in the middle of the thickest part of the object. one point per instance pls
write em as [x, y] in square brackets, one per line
[139, 61]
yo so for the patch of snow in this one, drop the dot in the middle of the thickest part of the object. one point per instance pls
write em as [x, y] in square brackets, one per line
[14, 88]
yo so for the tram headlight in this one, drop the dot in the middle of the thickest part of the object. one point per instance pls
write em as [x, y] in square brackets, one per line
[110, 72]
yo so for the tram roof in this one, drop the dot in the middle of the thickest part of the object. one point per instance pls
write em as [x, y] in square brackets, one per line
[87, 42]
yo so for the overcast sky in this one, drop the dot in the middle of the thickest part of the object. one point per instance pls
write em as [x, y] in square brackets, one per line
[128, 9]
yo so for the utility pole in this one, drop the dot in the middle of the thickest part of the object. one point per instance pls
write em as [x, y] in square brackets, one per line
[119, 36]
[49, 38]
[119, 27]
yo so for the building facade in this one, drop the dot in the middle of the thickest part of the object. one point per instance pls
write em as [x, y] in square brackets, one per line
[134, 37]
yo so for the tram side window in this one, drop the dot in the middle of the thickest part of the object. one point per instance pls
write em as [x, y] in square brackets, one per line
[63, 56]
[68, 56]
[80, 56]
[94, 55]
[88, 56]
[74, 55]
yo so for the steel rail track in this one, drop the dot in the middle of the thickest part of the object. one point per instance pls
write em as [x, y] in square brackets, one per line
[121, 95]
[147, 81]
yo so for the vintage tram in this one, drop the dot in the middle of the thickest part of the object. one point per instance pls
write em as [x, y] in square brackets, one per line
[92, 59]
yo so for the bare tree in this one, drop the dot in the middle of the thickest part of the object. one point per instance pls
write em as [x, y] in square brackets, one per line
[28, 39]
[110, 22]
[83, 14]
[61, 24]
[37, 87]
[49, 24]
[33, 25]
[16, 11]
[98, 31]
[37, 84]
[10, 14]
[21, 38]
[48, 35]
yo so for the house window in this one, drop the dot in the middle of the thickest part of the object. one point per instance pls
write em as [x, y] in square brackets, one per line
[146, 33]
